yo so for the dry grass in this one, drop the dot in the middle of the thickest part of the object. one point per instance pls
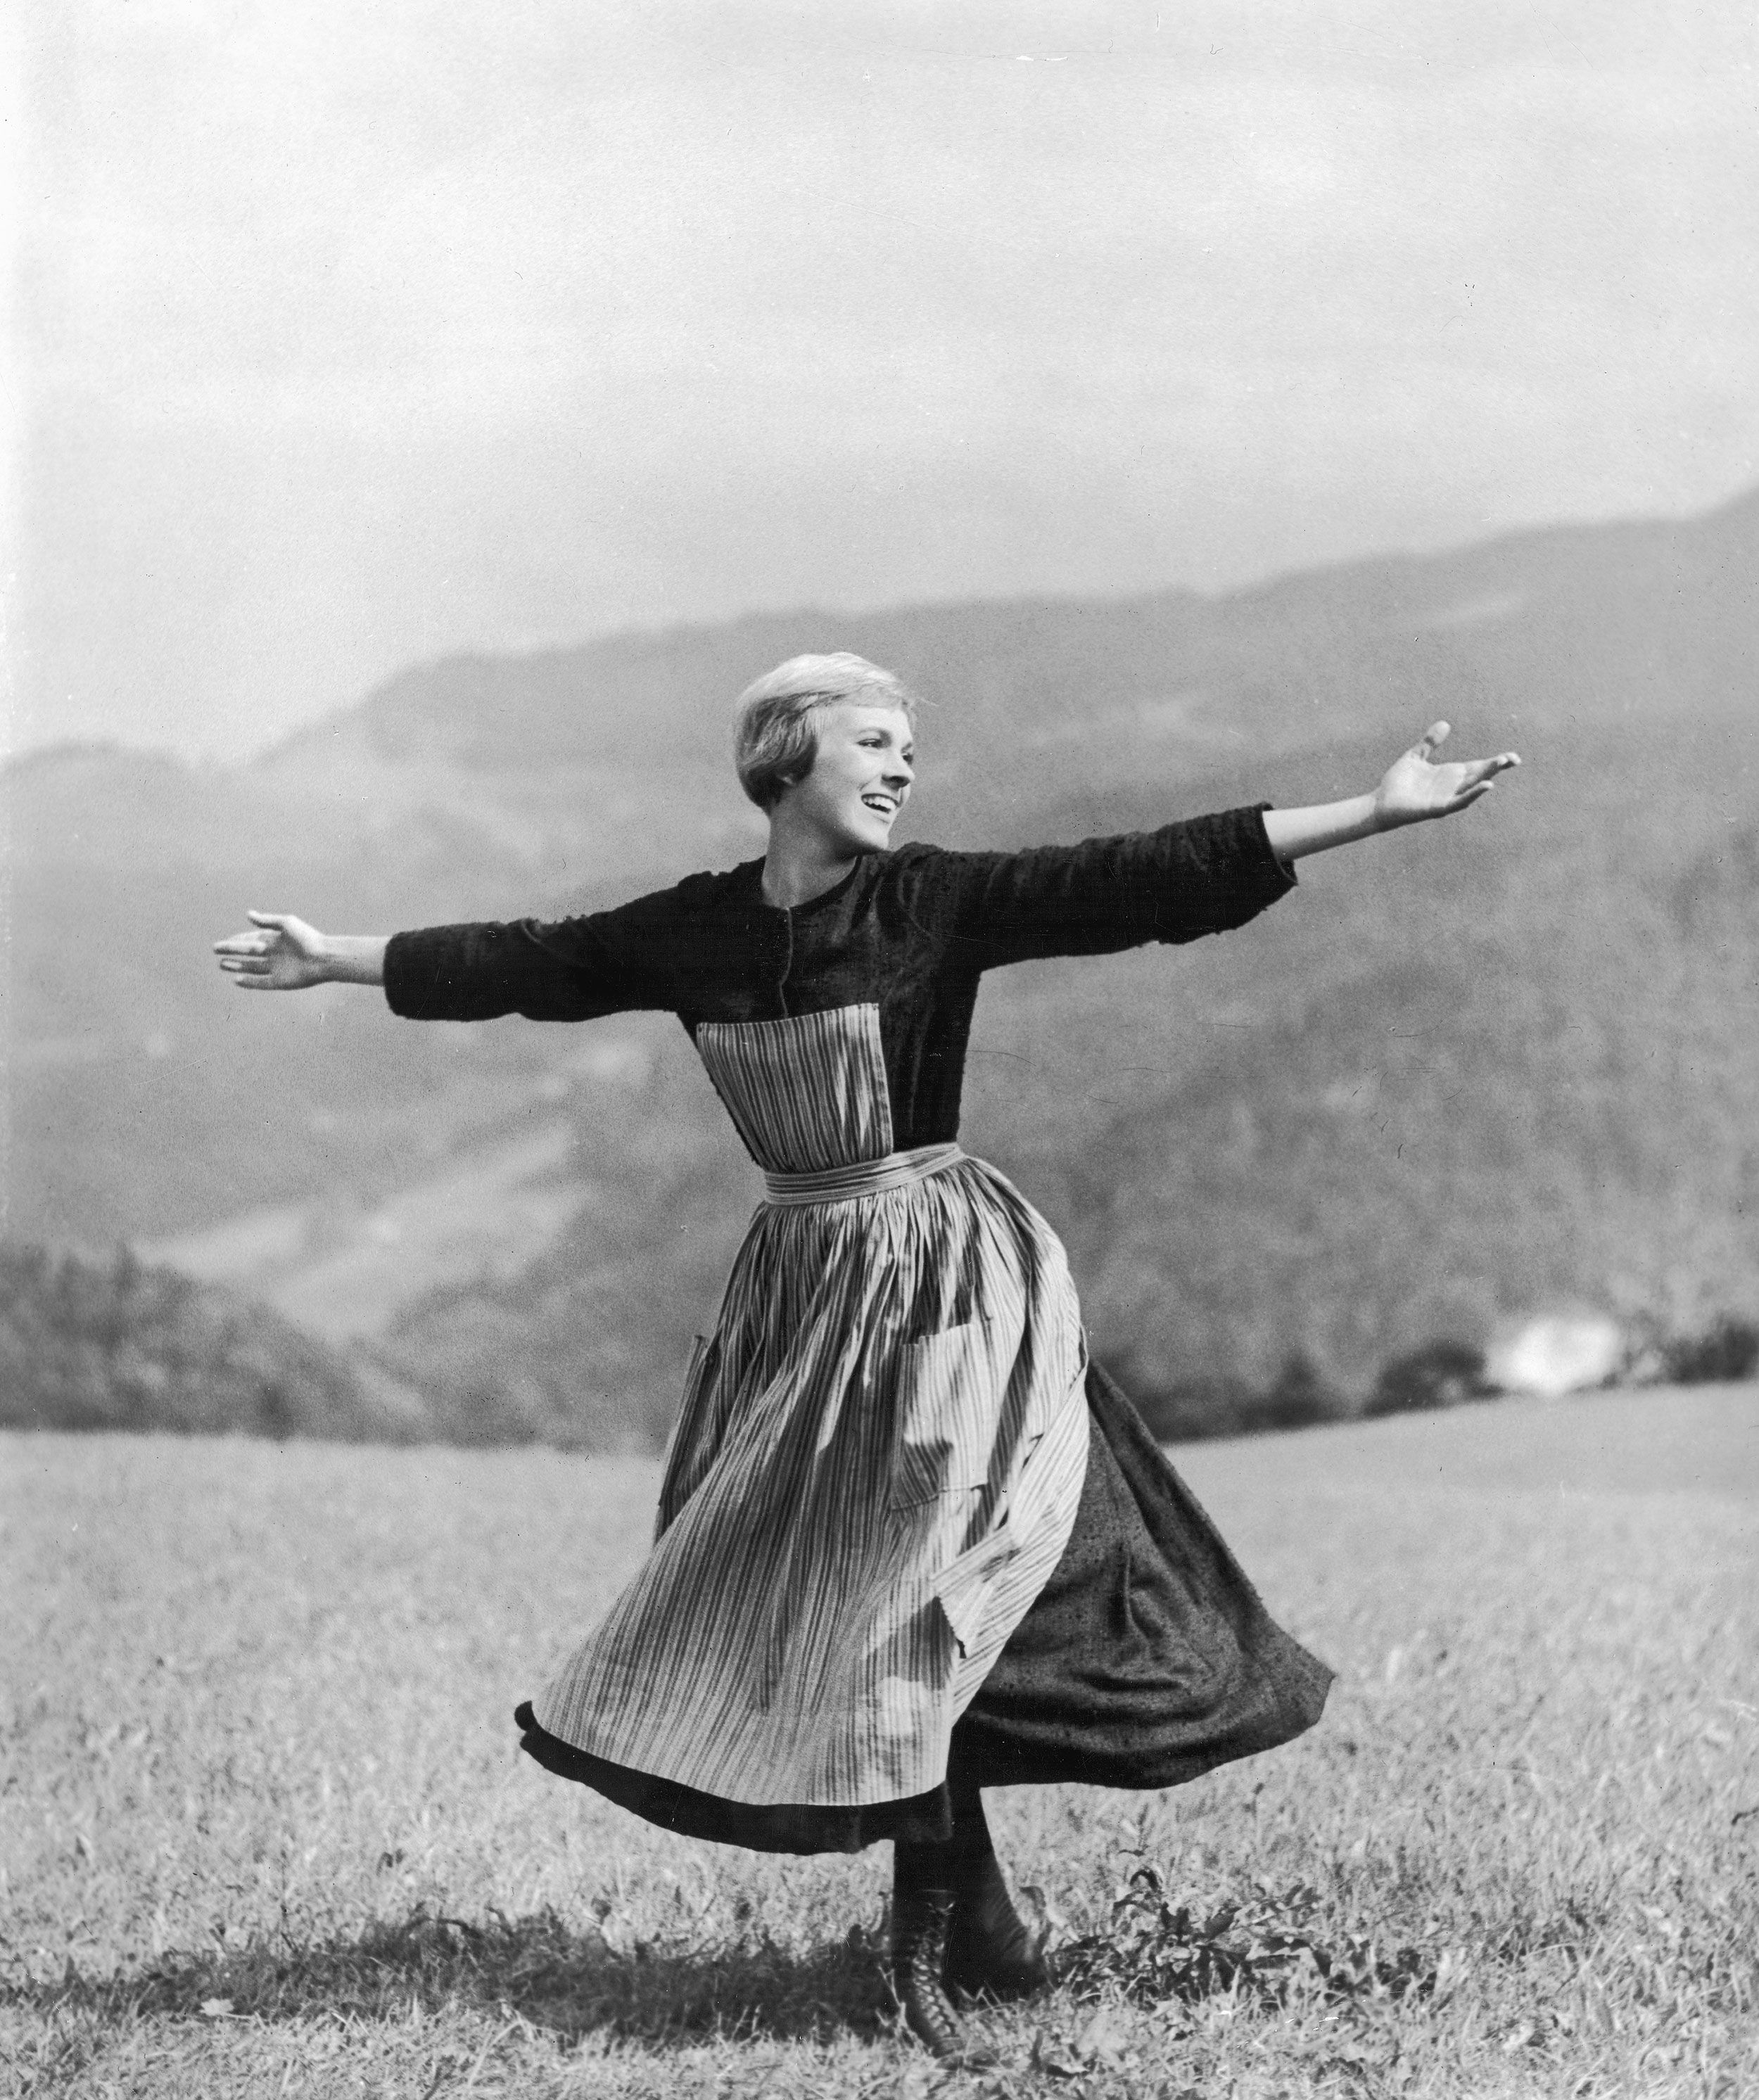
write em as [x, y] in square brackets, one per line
[264, 1830]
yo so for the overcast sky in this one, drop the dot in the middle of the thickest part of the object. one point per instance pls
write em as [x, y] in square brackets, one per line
[355, 334]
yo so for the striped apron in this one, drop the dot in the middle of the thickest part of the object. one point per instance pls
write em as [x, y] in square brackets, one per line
[878, 1464]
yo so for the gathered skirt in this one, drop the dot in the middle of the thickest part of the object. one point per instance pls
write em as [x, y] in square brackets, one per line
[1145, 1660]
[875, 1469]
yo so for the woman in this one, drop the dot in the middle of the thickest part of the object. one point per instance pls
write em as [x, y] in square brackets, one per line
[911, 1541]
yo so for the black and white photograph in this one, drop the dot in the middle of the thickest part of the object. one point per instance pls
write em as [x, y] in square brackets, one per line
[879, 1183]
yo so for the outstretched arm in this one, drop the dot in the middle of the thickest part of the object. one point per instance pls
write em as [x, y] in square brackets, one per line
[283, 954]
[1413, 789]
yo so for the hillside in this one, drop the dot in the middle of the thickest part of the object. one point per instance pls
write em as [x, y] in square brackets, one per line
[117, 1345]
[1458, 1073]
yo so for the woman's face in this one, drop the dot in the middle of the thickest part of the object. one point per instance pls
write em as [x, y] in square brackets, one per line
[859, 780]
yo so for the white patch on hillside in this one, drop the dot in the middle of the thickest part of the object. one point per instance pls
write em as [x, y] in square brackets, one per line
[1555, 1354]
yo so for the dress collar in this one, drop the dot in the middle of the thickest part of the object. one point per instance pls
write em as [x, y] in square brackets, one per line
[753, 872]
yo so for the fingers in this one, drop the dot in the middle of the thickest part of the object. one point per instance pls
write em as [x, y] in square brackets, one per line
[1437, 734]
[268, 957]
[274, 928]
[1480, 779]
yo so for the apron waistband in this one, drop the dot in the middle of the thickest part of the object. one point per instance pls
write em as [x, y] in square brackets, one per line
[866, 1177]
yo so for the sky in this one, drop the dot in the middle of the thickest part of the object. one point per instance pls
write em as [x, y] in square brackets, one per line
[347, 336]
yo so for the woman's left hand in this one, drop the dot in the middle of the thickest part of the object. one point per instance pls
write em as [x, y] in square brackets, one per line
[1415, 788]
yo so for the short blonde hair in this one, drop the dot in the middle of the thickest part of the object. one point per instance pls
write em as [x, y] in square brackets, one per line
[774, 734]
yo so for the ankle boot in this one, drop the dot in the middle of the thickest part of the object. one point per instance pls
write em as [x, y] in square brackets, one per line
[920, 1913]
[990, 1953]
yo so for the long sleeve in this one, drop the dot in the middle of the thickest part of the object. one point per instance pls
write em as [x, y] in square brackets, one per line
[1206, 876]
[566, 969]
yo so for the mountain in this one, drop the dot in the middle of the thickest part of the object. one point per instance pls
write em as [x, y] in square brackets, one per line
[1463, 1071]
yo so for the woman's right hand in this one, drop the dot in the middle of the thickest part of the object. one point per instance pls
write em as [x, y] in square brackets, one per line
[280, 954]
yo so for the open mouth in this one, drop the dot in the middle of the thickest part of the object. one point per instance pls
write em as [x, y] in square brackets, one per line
[881, 805]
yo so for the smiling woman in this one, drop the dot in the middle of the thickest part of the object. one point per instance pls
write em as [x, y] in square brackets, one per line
[911, 1541]
[780, 719]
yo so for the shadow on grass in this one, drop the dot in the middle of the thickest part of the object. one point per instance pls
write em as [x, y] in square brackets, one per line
[571, 1983]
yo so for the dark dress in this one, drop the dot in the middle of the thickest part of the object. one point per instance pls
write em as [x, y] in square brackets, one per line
[1140, 1655]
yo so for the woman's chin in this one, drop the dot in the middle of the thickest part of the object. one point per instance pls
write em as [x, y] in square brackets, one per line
[871, 836]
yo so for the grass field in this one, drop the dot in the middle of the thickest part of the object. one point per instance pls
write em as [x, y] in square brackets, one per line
[264, 1830]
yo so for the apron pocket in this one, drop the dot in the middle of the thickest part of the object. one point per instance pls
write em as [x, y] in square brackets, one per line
[949, 1405]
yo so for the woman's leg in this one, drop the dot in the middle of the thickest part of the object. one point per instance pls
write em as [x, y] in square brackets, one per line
[990, 1953]
[924, 1890]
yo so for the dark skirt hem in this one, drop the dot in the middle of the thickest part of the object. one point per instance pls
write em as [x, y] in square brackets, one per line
[764, 1827]
[1146, 1660]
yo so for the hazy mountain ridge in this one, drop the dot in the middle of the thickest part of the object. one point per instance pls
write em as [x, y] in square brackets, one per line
[1195, 1121]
